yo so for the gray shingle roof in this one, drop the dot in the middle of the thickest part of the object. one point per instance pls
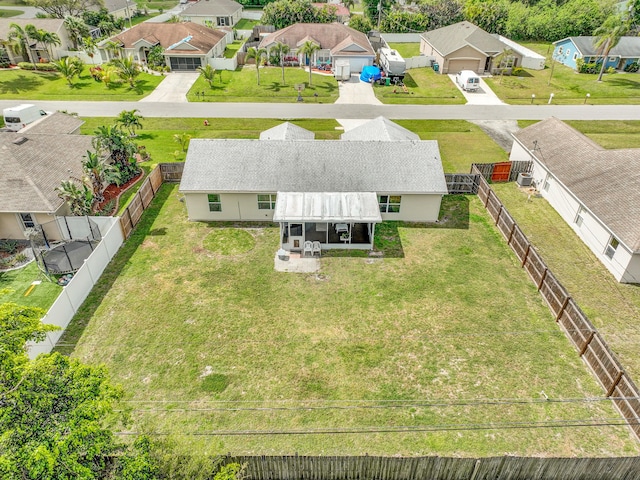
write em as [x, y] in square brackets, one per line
[380, 129]
[628, 47]
[32, 170]
[312, 166]
[49, 24]
[211, 7]
[287, 131]
[605, 181]
[56, 123]
[453, 37]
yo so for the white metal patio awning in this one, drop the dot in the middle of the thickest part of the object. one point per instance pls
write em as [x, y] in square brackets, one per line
[343, 207]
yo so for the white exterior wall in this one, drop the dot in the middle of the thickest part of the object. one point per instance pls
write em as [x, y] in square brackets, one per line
[416, 208]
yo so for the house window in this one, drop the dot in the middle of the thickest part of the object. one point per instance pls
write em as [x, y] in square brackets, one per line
[215, 205]
[223, 21]
[612, 59]
[266, 201]
[567, 52]
[27, 220]
[611, 247]
[389, 203]
[575, 56]
[560, 50]
[579, 217]
[547, 184]
[507, 62]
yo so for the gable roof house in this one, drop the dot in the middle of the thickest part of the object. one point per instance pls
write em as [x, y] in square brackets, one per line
[332, 192]
[37, 50]
[187, 45]
[568, 50]
[465, 46]
[34, 162]
[336, 42]
[593, 189]
[213, 13]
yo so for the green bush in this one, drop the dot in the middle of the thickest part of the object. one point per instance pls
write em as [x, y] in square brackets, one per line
[517, 71]
[611, 70]
[26, 66]
[632, 67]
[45, 67]
[589, 67]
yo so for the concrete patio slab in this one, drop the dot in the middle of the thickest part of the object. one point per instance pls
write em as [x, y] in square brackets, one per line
[297, 264]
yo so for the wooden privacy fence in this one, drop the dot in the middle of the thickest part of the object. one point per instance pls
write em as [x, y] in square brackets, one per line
[296, 467]
[502, 171]
[586, 339]
[466, 183]
[164, 172]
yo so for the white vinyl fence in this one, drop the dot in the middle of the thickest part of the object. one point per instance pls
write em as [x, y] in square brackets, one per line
[76, 291]
[224, 63]
[252, 14]
[401, 37]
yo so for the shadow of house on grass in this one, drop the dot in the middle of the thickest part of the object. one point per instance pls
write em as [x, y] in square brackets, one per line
[78, 323]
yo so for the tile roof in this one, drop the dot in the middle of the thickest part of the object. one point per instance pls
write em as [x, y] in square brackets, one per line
[448, 39]
[313, 166]
[167, 34]
[331, 36]
[34, 168]
[55, 123]
[211, 7]
[379, 129]
[605, 181]
[626, 47]
[287, 131]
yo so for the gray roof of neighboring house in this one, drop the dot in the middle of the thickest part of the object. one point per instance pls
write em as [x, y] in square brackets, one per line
[49, 24]
[627, 47]
[380, 129]
[56, 123]
[605, 181]
[211, 7]
[34, 168]
[336, 37]
[313, 166]
[448, 39]
[115, 5]
[287, 131]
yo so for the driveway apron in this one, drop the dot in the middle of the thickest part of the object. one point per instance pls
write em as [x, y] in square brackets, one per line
[483, 96]
[355, 92]
[173, 88]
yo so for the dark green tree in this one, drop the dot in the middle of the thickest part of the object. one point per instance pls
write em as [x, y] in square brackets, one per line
[283, 13]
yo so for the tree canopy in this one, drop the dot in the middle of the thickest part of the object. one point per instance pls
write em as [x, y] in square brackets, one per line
[65, 8]
[283, 13]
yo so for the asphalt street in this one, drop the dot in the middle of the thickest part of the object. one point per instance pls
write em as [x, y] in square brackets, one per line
[347, 111]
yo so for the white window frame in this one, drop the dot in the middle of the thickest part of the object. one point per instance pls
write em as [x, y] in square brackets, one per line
[547, 183]
[27, 223]
[579, 220]
[560, 50]
[612, 59]
[215, 202]
[268, 203]
[575, 56]
[389, 203]
[612, 246]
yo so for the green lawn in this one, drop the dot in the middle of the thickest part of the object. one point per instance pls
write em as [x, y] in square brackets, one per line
[4, 13]
[567, 86]
[30, 85]
[233, 48]
[608, 133]
[421, 339]
[141, 18]
[246, 24]
[613, 308]
[425, 88]
[14, 284]
[242, 86]
[407, 50]
[162, 4]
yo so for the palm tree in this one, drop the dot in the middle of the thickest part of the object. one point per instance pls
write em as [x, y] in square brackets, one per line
[50, 39]
[20, 38]
[348, 4]
[128, 69]
[69, 67]
[609, 34]
[130, 119]
[183, 139]
[111, 141]
[89, 46]
[114, 48]
[309, 49]
[79, 198]
[258, 54]
[100, 173]
[502, 59]
[280, 50]
[107, 74]
[77, 29]
[208, 73]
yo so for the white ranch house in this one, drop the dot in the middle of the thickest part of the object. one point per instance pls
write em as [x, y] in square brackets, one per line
[593, 189]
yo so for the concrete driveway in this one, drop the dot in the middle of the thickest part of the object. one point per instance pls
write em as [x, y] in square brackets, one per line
[173, 88]
[356, 92]
[483, 96]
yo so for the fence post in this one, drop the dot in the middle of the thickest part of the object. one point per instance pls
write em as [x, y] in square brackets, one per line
[587, 342]
[486, 200]
[499, 213]
[544, 275]
[513, 229]
[475, 470]
[564, 305]
[615, 383]
[526, 255]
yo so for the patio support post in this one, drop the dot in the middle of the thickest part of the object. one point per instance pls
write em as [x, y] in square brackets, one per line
[372, 233]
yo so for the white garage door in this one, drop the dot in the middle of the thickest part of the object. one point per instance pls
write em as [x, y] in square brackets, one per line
[467, 64]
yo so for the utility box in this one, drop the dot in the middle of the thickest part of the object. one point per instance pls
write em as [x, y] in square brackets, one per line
[524, 179]
[342, 69]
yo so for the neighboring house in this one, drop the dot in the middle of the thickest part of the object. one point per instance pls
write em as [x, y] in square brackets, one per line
[37, 50]
[465, 46]
[186, 46]
[287, 131]
[593, 189]
[333, 192]
[117, 8]
[34, 162]
[213, 13]
[341, 11]
[336, 42]
[570, 49]
[379, 129]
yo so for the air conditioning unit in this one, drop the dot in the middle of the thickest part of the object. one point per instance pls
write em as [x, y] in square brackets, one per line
[524, 179]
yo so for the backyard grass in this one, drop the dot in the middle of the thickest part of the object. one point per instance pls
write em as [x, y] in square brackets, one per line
[246, 24]
[205, 342]
[608, 133]
[15, 283]
[4, 13]
[31, 85]
[613, 308]
[425, 88]
[140, 18]
[568, 87]
[232, 48]
[241, 86]
[407, 50]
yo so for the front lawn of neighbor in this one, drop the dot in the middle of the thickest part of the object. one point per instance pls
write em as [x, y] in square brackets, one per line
[406, 50]
[241, 86]
[6, 13]
[568, 87]
[614, 308]
[608, 133]
[425, 88]
[32, 85]
[449, 334]
[15, 283]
